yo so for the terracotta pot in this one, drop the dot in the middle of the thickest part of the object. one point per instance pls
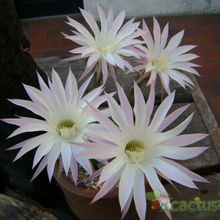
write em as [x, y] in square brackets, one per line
[107, 208]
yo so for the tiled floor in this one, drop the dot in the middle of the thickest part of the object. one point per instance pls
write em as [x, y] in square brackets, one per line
[202, 30]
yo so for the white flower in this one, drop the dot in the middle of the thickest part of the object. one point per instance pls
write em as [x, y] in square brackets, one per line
[141, 149]
[64, 119]
[164, 58]
[108, 46]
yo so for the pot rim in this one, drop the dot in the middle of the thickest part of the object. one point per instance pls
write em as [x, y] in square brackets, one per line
[69, 186]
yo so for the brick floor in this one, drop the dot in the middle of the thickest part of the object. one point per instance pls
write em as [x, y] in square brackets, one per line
[202, 30]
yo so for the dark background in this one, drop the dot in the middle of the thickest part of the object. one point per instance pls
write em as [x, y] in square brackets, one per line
[37, 8]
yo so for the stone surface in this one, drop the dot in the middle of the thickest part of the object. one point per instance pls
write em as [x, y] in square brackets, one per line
[207, 159]
[207, 117]
[155, 7]
[208, 194]
[15, 209]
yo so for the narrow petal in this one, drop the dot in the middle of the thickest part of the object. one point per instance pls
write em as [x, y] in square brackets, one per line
[92, 59]
[175, 41]
[52, 158]
[58, 86]
[185, 57]
[173, 173]
[126, 184]
[110, 169]
[162, 111]
[118, 22]
[36, 125]
[85, 163]
[99, 151]
[31, 144]
[74, 170]
[125, 32]
[150, 104]
[165, 81]
[19, 145]
[102, 19]
[181, 50]
[42, 150]
[43, 85]
[157, 33]
[140, 195]
[91, 21]
[104, 71]
[185, 67]
[116, 113]
[156, 185]
[185, 139]
[66, 154]
[110, 18]
[28, 105]
[125, 105]
[153, 180]
[83, 88]
[109, 58]
[80, 28]
[39, 169]
[107, 186]
[92, 95]
[172, 117]
[192, 175]
[71, 88]
[147, 36]
[177, 130]
[179, 153]
[127, 206]
[38, 95]
[139, 106]
[164, 36]
[105, 122]
[153, 77]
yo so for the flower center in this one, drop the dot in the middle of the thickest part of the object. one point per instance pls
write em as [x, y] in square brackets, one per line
[104, 49]
[160, 64]
[105, 44]
[135, 151]
[67, 129]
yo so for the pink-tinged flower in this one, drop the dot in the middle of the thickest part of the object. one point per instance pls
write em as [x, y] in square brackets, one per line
[64, 118]
[139, 148]
[107, 46]
[164, 58]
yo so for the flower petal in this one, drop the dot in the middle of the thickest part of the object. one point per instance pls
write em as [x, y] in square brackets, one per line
[185, 139]
[140, 195]
[71, 88]
[173, 173]
[66, 154]
[125, 105]
[126, 184]
[150, 104]
[162, 111]
[52, 158]
[179, 153]
[39, 169]
[107, 186]
[139, 107]
[31, 144]
[42, 150]
[85, 163]
[110, 169]
[172, 117]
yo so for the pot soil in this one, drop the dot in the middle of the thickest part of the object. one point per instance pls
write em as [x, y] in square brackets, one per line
[107, 208]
